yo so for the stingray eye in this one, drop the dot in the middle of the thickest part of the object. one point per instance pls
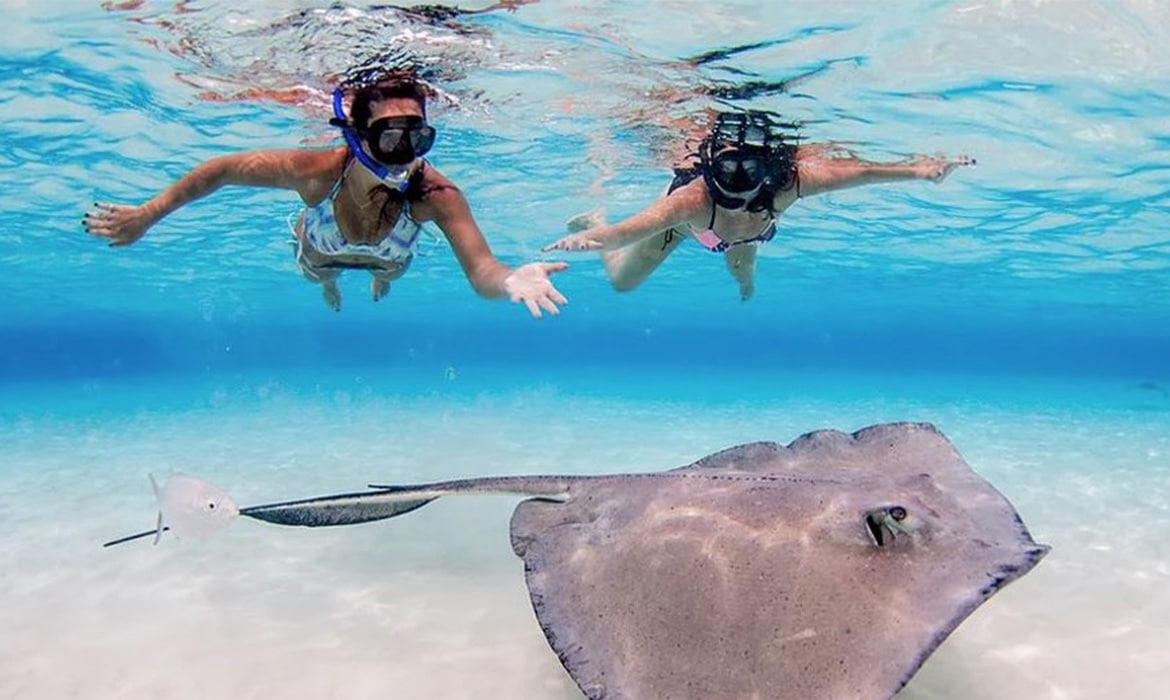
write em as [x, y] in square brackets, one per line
[885, 524]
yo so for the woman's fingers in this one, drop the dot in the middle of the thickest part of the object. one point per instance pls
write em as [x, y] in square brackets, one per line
[547, 304]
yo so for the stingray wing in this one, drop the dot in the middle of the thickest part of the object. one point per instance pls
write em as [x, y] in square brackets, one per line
[751, 574]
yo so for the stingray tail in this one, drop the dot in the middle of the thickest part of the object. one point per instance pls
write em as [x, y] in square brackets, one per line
[382, 502]
[159, 527]
[157, 532]
[340, 509]
[391, 500]
[554, 488]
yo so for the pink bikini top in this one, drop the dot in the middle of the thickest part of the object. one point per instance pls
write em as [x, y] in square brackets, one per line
[712, 242]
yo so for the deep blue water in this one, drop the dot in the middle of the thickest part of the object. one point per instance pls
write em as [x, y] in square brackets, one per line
[1049, 257]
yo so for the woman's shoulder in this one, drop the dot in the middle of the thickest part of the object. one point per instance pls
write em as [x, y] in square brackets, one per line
[433, 185]
[692, 194]
[317, 170]
[315, 162]
[435, 195]
[819, 152]
[433, 178]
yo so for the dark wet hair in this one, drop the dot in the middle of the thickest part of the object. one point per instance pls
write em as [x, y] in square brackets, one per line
[404, 86]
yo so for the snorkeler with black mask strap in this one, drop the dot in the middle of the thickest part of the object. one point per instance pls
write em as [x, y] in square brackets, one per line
[364, 201]
[749, 168]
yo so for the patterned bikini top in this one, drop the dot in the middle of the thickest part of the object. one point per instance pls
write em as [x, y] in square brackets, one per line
[322, 233]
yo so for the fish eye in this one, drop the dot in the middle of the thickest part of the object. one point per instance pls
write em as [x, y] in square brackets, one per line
[211, 505]
[898, 513]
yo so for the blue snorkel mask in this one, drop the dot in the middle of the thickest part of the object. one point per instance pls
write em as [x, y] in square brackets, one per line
[388, 147]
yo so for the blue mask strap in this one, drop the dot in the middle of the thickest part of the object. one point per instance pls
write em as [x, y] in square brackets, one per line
[355, 144]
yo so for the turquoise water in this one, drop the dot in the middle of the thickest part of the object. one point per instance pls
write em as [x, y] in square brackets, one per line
[1021, 306]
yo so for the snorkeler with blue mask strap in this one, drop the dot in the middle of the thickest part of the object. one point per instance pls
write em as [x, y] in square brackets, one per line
[365, 202]
[748, 169]
[388, 147]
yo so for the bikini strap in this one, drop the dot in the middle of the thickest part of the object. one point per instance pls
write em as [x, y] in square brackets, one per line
[349, 161]
[769, 233]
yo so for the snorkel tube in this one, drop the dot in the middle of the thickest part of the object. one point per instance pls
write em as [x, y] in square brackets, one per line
[398, 180]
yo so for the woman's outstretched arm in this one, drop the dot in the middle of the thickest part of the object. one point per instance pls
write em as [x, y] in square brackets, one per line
[299, 169]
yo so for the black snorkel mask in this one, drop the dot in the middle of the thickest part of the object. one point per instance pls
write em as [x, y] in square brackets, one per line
[388, 146]
[398, 140]
[739, 173]
[739, 161]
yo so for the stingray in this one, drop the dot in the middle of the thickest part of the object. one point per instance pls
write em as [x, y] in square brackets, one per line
[829, 568]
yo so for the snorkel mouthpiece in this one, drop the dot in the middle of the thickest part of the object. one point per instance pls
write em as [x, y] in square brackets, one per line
[395, 177]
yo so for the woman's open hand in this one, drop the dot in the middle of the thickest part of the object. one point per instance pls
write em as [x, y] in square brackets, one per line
[531, 285]
[936, 168]
[122, 224]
